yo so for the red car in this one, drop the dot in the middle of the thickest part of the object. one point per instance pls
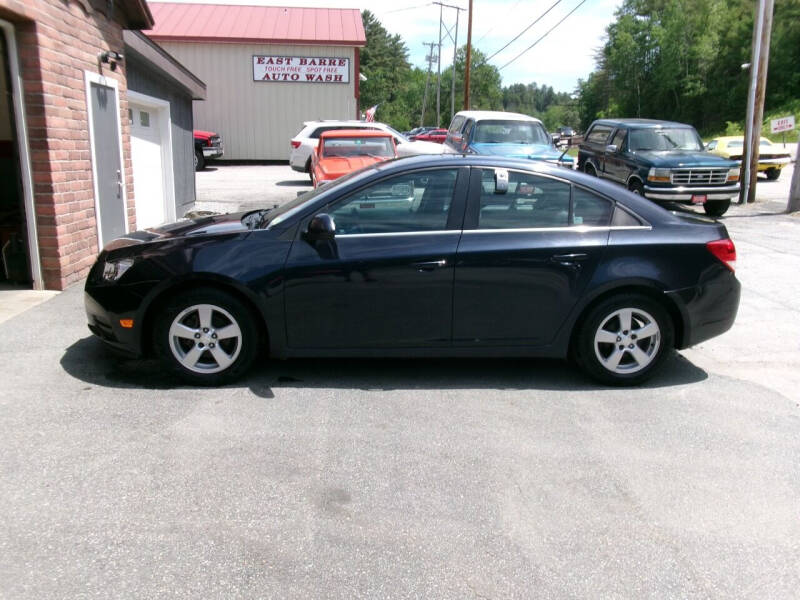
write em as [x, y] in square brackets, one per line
[342, 151]
[434, 135]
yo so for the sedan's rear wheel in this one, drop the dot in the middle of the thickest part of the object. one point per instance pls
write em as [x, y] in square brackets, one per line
[207, 337]
[624, 339]
[773, 173]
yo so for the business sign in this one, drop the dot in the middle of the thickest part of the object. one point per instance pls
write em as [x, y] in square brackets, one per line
[301, 69]
[782, 124]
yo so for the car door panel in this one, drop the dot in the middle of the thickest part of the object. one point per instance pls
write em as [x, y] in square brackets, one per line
[373, 288]
[517, 286]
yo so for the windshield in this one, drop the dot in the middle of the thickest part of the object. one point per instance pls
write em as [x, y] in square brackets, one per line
[510, 132]
[284, 211]
[358, 146]
[676, 138]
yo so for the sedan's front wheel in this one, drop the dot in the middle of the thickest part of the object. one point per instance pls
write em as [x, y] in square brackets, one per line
[624, 339]
[206, 336]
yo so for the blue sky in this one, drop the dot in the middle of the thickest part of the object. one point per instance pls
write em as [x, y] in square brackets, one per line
[559, 60]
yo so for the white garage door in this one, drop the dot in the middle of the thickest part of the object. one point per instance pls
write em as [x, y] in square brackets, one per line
[148, 165]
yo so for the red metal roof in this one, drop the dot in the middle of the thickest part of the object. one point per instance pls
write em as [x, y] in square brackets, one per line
[256, 24]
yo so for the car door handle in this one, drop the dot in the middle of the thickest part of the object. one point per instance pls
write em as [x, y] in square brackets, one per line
[569, 258]
[430, 265]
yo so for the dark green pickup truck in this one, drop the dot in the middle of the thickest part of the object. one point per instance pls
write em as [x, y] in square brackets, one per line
[661, 160]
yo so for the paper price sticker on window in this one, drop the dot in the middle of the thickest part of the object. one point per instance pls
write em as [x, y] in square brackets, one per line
[782, 124]
[301, 69]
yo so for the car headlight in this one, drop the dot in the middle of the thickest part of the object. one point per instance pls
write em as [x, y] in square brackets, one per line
[660, 175]
[733, 174]
[114, 269]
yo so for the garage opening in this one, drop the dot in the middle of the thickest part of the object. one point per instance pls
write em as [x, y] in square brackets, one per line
[14, 259]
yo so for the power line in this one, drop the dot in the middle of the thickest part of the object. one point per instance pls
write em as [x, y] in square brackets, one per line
[488, 31]
[406, 8]
[539, 18]
[544, 36]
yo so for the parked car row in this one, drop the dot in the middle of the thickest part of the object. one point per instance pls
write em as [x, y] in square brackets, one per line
[660, 160]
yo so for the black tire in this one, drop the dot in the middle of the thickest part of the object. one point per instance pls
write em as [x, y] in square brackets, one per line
[199, 160]
[589, 169]
[308, 170]
[636, 187]
[596, 360]
[716, 208]
[772, 174]
[175, 352]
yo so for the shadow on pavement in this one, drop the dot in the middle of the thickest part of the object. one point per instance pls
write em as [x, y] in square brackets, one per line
[294, 182]
[88, 360]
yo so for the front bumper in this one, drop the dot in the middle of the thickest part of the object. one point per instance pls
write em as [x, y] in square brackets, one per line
[684, 194]
[105, 324]
[213, 151]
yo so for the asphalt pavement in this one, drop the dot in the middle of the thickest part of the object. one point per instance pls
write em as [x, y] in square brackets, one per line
[409, 478]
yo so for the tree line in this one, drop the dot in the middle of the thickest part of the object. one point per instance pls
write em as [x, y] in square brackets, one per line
[399, 88]
[682, 60]
[677, 60]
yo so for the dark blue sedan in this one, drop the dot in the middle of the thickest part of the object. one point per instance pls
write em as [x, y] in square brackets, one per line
[426, 256]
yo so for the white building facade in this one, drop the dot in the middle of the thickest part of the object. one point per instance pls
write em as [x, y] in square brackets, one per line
[266, 69]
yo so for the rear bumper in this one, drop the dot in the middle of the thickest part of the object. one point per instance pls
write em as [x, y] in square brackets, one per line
[708, 309]
[684, 194]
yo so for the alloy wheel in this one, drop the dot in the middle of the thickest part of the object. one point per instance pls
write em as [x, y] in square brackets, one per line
[205, 338]
[627, 341]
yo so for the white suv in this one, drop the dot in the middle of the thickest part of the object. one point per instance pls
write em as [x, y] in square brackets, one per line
[308, 138]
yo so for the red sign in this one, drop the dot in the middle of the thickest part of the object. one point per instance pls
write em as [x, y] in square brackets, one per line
[301, 69]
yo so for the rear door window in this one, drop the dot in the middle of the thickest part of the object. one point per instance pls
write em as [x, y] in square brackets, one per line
[598, 134]
[590, 209]
[531, 202]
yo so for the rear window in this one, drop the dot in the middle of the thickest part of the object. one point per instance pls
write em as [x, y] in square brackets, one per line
[320, 130]
[379, 147]
[598, 134]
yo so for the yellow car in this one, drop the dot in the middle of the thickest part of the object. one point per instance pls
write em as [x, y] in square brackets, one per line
[771, 158]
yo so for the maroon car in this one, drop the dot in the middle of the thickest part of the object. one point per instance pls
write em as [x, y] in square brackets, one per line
[434, 135]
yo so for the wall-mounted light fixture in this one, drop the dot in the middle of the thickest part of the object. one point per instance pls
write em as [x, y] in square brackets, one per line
[110, 58]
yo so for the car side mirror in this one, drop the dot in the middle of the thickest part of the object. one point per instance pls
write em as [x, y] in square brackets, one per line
[611, 148]
[500, 181]
[321, 227]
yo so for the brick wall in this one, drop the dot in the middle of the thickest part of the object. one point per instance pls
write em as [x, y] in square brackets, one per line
[58, 40]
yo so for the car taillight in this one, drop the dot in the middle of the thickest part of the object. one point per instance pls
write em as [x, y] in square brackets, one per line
[295, 144]
[725, 251]
[208, 142]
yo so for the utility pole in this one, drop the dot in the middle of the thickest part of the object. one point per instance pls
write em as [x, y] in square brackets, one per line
[430, 58]
[794, 189]
[762, 30]
[448, 33]
[439, 71]
[469, 56]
